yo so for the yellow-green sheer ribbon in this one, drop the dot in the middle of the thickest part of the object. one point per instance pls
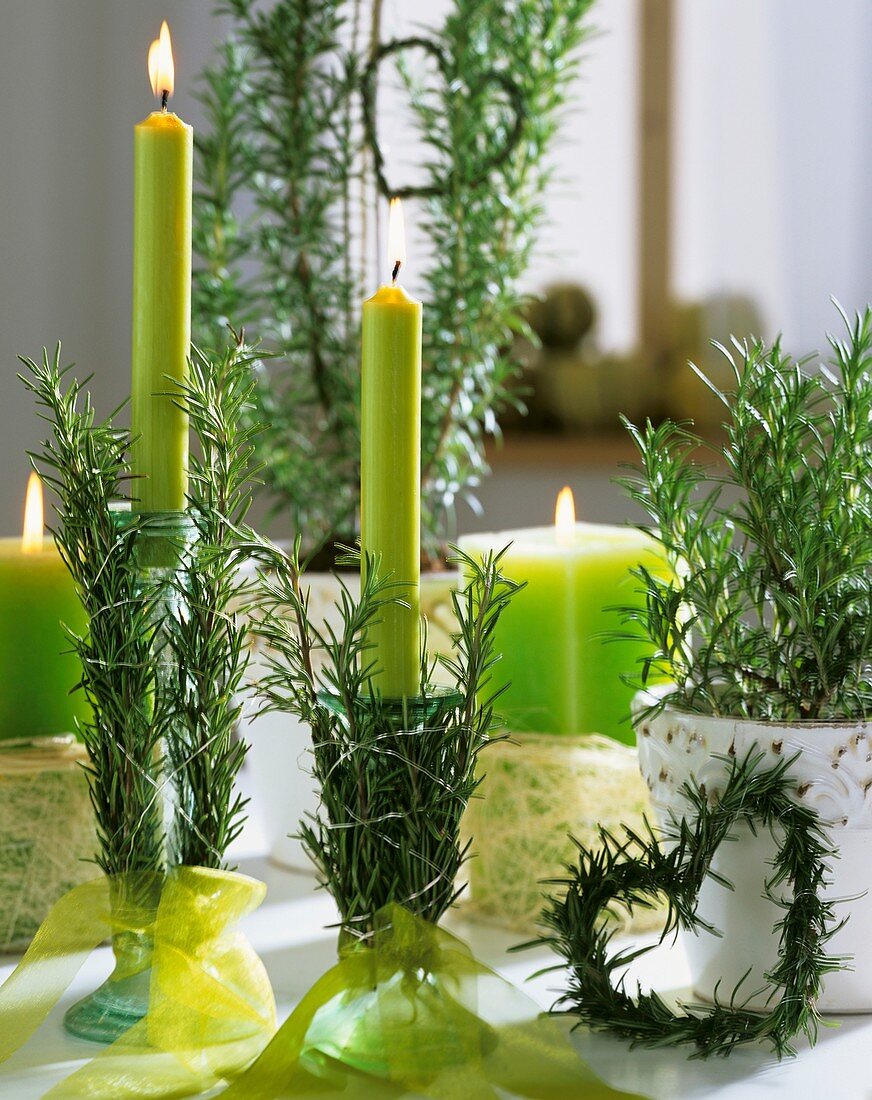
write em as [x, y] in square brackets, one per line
[416, 1013]
[211, 1008]
[77, 924]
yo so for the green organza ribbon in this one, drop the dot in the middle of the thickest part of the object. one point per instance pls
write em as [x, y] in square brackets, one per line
[414, 1013]
[211, 1008]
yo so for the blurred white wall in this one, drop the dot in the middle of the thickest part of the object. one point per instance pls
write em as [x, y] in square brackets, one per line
[773, 161]
[73, 83]
[773, 158]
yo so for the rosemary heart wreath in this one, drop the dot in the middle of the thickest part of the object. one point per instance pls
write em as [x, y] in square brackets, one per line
[499, 80]
[638, 870]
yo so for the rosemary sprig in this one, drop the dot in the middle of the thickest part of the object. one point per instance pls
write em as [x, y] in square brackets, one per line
[84, 461]
[394, 778]
[637, 870]
[207, 639]
[769, 614]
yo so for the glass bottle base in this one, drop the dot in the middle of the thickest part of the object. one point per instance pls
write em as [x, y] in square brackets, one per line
[107, 1013]
[403, 1028]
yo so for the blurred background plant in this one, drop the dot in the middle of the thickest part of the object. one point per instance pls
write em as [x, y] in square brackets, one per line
[648, 207]
[289, 177]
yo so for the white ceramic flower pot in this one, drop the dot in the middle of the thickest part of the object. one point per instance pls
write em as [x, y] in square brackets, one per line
[279, 757]
[833, 776]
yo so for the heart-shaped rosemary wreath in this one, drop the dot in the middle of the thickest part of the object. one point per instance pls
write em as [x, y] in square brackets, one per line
[638, 870]
[500, 81]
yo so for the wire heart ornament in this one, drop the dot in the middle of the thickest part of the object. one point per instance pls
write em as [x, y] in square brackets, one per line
[492, 78]
[637, 870]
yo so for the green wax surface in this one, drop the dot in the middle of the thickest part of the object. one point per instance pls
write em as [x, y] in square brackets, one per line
[163, 160]
[37, 671]
[390, 488]
[563, 677]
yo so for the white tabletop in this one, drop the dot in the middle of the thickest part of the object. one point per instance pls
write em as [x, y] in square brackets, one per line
[290, 935]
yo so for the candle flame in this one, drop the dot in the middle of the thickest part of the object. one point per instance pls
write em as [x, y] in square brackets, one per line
[564, 516]
[396, 237]
[31, 538]
[161, 70]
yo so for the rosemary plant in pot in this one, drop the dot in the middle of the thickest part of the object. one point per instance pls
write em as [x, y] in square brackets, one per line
[766, 634]
[291, 178]
[762, 738]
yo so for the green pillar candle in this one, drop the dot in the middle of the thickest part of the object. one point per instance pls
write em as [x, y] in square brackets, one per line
[390, 475]
[563, 677]
[37, 670]
[163, 168]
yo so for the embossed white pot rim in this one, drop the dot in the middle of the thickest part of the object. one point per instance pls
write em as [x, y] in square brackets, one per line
[832, 769]
[832, 761]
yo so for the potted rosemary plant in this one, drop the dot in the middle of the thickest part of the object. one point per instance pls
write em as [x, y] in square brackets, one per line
[763, 737]
[291, 179]
[766, 635]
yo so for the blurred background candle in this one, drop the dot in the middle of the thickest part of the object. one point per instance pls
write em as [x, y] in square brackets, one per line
[390, 466]
[564, 678]
[163, 167]
[37, 669]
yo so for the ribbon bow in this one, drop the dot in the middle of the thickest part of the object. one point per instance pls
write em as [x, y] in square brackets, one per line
[414, 1012]
[211, 1008]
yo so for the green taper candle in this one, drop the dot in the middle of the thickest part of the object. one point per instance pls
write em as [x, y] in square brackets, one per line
[163, 170]
[390, 470]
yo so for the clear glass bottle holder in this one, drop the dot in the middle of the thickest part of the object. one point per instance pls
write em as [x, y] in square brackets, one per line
[361, 1025]
[122, 1000]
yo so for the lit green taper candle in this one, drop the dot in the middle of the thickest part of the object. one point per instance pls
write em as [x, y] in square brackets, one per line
[163, 170]
[390, 475]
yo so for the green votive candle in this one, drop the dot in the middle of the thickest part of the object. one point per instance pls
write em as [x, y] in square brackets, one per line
[390, 473]
[563, 676]
[37, 670]
[163, 168]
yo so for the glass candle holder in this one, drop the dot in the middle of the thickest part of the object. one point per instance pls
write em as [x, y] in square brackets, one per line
[393, 787]
[398, 1000]
[122, 1000]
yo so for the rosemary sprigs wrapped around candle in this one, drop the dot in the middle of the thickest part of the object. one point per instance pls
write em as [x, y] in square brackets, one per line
[163, 659]
[137, 708]
[85, 462]
[395, 776]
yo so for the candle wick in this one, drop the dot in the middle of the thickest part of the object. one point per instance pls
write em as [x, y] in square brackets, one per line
[164, 99]
[396, 270]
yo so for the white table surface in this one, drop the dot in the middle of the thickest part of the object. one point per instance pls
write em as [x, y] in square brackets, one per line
[289, 934]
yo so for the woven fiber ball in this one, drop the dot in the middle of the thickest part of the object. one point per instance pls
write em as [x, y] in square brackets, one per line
[538, 789]
[47, 833]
